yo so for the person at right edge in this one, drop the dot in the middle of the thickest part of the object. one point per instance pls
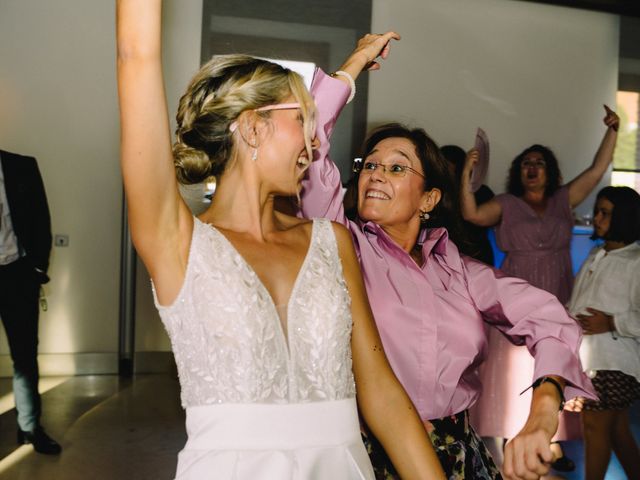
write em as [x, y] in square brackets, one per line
[606, 302]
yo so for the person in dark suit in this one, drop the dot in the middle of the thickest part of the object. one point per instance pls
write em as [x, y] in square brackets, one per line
[25, 245]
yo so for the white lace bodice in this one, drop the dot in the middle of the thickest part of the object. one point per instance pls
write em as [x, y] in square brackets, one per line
[227, 338]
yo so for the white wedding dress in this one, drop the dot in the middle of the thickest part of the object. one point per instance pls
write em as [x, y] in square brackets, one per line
[261, 403]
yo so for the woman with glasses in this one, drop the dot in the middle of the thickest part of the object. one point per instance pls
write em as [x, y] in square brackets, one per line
[534, 222]
[267, 315]
[432, 304]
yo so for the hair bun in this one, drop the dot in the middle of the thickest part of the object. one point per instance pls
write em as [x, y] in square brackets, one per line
[192, 165]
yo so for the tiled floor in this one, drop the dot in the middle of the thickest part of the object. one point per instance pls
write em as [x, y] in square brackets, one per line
[112, 428]
[109, 429]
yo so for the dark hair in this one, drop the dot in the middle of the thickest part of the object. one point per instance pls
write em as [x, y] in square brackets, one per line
[456, 156]
[446, 213]
[554, 177]
[624, 225]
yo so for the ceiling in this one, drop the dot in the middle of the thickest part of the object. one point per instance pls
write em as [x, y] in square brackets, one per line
[621, 7]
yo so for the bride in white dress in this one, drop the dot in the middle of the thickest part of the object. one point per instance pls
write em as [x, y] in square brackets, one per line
[267, 313]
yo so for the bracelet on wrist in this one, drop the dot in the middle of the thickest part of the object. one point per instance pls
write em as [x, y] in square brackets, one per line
[553, 382]
[352, 83]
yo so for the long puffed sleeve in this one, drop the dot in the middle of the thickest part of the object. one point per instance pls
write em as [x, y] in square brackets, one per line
[533, 317]
[322, 188]
[627, 322]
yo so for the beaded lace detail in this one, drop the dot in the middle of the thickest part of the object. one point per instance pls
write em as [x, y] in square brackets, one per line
[227, 338]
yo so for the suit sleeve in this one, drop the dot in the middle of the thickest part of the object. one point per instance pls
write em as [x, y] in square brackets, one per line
[41, 220]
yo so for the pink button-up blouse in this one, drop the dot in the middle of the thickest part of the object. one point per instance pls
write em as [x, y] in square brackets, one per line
[433, 318]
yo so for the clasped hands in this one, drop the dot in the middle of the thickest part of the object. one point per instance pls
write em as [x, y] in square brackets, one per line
[595, 322]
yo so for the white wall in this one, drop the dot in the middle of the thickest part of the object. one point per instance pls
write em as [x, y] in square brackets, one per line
[526, 73]
[58, 103]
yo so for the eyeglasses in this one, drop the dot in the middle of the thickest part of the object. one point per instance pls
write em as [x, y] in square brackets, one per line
[276, 106]
[393, 170]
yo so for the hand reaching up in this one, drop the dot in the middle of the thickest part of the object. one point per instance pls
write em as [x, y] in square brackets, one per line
[369, 48]
[611, 119]
[473, 156]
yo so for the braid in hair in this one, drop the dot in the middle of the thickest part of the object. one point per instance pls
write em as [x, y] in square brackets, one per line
[223, 88]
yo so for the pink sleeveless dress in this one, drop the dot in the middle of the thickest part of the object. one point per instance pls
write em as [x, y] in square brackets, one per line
[537, 250]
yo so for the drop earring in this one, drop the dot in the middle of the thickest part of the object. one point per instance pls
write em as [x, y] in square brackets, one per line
[254, 156]
[424, 216]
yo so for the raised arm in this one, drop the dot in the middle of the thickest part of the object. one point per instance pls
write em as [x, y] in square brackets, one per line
[364, 56]
[486, 215]
[322, 188]
[385, 406]
[583, 184]
[160, 221]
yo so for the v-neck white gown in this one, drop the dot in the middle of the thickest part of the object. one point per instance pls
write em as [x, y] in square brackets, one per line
[260, 405]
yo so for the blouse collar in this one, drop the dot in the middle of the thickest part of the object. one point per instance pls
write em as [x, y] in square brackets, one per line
[434, 241]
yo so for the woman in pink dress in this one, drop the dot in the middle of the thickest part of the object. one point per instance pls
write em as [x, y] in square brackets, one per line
[533, 224]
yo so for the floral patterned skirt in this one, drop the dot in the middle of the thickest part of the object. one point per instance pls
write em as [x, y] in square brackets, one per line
[460, 450]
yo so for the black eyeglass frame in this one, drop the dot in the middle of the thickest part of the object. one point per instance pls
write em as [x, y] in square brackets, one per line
[358, 167]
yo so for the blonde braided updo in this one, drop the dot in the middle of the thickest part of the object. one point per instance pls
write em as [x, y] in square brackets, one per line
[225, 87]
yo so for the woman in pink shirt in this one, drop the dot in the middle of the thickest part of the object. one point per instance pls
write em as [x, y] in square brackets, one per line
[431, 304]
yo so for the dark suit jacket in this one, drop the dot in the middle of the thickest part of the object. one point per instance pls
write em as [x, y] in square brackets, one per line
[29, 209]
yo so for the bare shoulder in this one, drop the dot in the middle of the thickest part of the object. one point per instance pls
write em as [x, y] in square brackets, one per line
[342, 233]
[344, 241]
